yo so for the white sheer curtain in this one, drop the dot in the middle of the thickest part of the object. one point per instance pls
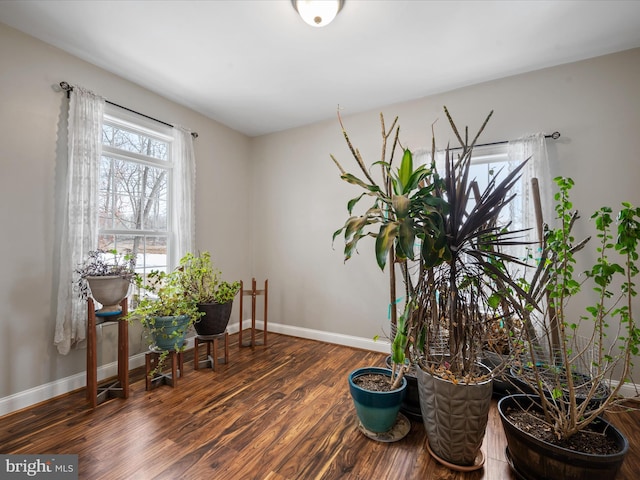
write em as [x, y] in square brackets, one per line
[534, 148]
[80, 230]
[183, 203]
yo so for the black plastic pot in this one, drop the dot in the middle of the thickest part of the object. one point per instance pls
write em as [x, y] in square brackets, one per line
[215, 319]
[525, 387]
[503, 383]
[535, 459]
[411, 403]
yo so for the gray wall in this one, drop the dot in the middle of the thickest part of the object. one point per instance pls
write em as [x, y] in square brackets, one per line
[267, 206]
[595, 104]
[31, 147]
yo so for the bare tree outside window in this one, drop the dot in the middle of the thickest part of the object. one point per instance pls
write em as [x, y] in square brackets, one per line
[134, 181]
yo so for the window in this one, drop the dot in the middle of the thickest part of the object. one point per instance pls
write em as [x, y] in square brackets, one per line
[135, 189]
[494, 163]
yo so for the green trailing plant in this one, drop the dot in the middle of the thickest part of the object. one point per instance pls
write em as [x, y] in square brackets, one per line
[104, 263]
[570, 358]
[199, 279]
[163, 297]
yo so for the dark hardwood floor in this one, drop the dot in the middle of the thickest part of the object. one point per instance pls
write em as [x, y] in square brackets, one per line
[280, 412]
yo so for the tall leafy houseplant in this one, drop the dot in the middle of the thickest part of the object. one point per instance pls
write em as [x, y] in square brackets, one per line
[402, 210]
[444, 234]
[571, 360]
[455, 302]
[202, 282]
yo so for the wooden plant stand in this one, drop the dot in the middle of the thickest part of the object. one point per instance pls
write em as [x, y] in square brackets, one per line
[176, 360]
[120, 387]
[212, 359]
[254, 293]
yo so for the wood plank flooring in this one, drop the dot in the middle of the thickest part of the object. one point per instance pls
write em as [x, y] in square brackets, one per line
[280, 412]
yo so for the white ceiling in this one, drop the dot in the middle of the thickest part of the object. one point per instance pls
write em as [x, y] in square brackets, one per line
[255, 66]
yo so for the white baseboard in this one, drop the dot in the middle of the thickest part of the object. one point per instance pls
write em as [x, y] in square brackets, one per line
[628, 390]
[50, 390]
[382, 346]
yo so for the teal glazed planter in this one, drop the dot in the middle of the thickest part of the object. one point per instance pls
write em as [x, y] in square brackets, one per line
[167, 335]
[377, 411]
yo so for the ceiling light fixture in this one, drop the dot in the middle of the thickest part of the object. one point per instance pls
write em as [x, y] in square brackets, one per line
[317, 13]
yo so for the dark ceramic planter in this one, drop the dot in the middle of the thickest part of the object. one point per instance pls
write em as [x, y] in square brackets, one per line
[216, 318]
[534, 459]
[411, 403]
[377, 411]
[503, 383]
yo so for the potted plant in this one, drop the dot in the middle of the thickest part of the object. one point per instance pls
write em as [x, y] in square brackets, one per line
[396, 196]
[442, 234]
[165, 311]
[202, 282]
[106, 275]
[455, 303]
[377, 401]
[568, 357]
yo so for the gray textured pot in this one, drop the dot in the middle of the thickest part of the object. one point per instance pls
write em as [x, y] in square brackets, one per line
[454, 416]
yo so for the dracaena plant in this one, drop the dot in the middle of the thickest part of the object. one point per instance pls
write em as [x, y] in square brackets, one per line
[401, 210]
[444, 235]
[571, 358]
[456, 301]
[403, 207]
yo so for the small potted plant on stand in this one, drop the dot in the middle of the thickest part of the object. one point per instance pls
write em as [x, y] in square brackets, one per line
[202, 282]
[559, 431]
[165, 311]
[106, 275]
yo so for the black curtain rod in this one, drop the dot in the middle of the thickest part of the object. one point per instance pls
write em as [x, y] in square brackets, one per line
[554, 135]
[69, 88]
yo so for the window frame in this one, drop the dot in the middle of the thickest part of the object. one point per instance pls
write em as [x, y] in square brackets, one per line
[139, 124]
